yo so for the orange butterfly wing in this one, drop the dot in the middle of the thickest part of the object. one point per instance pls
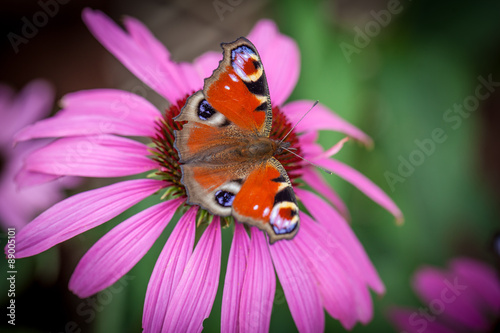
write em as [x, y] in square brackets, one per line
[266, 200]
[238, 88]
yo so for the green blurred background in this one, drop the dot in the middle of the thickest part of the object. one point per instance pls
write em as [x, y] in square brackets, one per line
[397, 84]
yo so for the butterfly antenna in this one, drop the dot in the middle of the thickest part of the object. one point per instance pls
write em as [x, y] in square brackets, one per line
[315, 165]
[305, 114]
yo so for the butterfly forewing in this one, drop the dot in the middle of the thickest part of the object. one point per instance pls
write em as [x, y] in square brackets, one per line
[238, 88]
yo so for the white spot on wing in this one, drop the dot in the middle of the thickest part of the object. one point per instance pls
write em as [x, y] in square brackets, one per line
[233, 77]
[266, 212]
[227, 87]
[255, 207]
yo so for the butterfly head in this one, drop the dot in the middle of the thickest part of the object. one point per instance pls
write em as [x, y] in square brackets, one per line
[281, 147]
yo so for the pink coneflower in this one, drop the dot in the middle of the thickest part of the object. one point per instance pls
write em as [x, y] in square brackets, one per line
[465, 298]
[19, 204]
[323, 267]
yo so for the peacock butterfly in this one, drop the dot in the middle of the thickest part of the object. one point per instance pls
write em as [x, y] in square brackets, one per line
[226, 156]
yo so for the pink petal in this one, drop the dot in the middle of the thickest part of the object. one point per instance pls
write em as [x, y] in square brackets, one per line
[25, 178]
[311, 151]
[32, 103]
[61, 126]
[321, 118]
[92, 156]
[120, 249]
[448, 295]
[309, 138]
[80, 213]
[143, 36]
[337, 285]
[233, 284]
[410, 321]
[318, 183]
[110, 103]
[335, 148]
[94, 112]
[207, 63]
[193, 79]
[338, 274]
[168, 271]
[483, 279]
[142, 61]
[259, 286]
[299, 286]
[193, 299]
[282, 72]
[363, 184]
[18, 207]
[333, 221]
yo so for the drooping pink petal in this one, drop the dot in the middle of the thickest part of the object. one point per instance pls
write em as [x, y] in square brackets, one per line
[483, 279]
[318, 183]
[168, 271]
[282, 72]
[120, 249]
[233, 284]
[321, 118]
[363, 184]
[31, 104]
[448, 295]
[92, 156]
[339, 276]
[80, 213]
[193, 298]
[299, 286]
[259, 286]
[143, 62]
[335, 148]
[333, 221]
[411, 321]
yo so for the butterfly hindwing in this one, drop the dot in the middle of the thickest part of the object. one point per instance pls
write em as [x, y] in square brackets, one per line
[266, 200]
[214, 187]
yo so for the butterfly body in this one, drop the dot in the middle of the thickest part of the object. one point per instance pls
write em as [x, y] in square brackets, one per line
[227, 159]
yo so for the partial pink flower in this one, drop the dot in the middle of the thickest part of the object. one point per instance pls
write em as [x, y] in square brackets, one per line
[464, 298]
[323, 268]
[19, 204]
